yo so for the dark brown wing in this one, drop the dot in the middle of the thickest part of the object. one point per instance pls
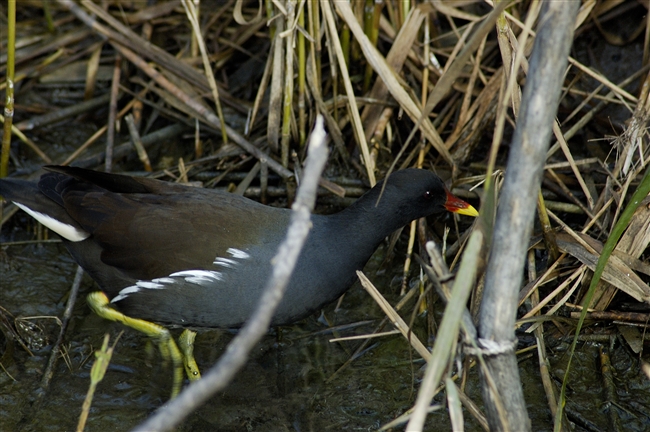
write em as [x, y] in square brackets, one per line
[162, 228]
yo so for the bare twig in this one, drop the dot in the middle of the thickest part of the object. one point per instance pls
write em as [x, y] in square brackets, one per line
[283, 263]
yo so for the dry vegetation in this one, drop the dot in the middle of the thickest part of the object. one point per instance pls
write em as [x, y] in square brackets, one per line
[373, 70]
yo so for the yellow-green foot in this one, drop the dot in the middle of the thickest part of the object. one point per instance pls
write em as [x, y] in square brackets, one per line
[186, 343]
[101, 306]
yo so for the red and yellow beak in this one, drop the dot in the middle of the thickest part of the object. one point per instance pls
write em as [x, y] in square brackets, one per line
[457, 205]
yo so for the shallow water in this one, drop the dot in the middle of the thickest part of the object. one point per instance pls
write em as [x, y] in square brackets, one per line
[290, 382]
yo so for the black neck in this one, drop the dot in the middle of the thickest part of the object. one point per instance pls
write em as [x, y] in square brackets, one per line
[368, 221]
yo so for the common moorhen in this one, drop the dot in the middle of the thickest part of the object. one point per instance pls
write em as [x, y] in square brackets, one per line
[193, 257]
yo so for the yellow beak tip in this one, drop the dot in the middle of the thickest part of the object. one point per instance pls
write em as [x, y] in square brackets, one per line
[468, 211]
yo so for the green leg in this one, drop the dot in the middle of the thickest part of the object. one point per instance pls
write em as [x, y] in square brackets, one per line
[100, 305]
[186, 344]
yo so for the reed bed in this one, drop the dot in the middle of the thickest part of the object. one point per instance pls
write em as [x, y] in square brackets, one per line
[225, 94]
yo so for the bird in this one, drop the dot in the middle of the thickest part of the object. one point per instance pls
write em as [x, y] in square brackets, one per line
[170, 255]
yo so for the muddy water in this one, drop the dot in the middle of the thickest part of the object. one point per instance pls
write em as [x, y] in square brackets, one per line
[289, 384]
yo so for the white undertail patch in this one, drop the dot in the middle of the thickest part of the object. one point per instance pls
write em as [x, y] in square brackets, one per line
[65, 230]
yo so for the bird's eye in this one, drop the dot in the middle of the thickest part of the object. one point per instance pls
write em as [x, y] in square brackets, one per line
[428, 195]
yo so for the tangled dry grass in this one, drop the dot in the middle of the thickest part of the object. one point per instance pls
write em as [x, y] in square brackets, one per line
[237, 86]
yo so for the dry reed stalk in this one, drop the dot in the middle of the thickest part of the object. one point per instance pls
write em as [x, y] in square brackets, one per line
[427, 60]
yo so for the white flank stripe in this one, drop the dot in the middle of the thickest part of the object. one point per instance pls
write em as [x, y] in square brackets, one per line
[236, 253]
[164, 280]
[66, 231]
[149, 285]
[224, 262]
[199, 277]
[125, 293]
